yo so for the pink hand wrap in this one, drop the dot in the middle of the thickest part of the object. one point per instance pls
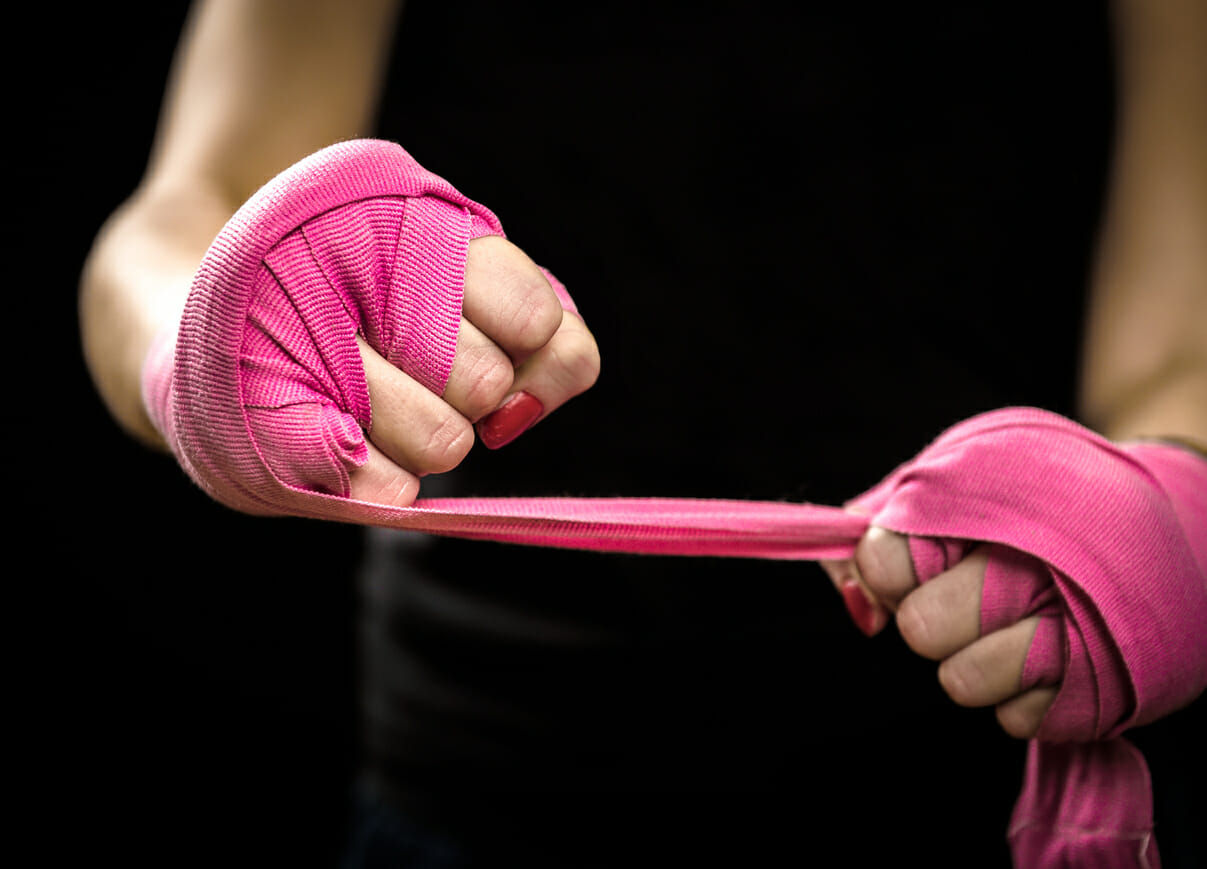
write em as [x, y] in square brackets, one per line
[264, 402]
[1109, 543]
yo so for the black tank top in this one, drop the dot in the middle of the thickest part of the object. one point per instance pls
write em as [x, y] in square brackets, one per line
[807, 237]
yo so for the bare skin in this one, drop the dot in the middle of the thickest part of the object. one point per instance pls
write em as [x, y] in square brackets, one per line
[1145, 371]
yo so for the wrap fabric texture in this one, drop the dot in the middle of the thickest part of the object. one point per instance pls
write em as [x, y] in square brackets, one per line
[1108, 544]
[263, 400]
[355, 238]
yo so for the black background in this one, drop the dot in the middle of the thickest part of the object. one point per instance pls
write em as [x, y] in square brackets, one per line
[182, 697]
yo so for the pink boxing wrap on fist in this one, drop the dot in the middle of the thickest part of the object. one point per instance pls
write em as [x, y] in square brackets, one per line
[1108, 543]
[263, 397]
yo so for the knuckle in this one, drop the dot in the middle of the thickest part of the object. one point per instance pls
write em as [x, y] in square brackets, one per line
[916, 627]
[536, 313]
[396, 487]
[488, 379]
[1019, 723]
[884, 563]
[573, 359]
[576, 360]
[958, 682]
[448, 443]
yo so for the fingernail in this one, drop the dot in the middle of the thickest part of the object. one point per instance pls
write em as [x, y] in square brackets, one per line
[863, 611]
[510, 421]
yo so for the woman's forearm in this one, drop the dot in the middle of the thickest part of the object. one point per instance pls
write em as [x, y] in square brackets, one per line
[255, 85]
[1145, 364]
[134, 285]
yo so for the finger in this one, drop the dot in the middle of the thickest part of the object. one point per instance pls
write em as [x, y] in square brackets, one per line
[1022, 716]
[508, 298]
[381, 481]
[867, 615]
[885, 566]
[990, 670]
[942, 616]
[481, 376]
[413, 427]
[565, 367]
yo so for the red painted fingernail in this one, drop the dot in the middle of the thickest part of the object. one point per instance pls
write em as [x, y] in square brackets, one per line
[510, 421]
[862, 611]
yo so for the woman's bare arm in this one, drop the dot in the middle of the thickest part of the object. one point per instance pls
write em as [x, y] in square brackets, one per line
[256, 85]
[1145, 371]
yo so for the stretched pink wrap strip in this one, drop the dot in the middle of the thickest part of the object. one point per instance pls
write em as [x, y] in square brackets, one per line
[262, 397]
